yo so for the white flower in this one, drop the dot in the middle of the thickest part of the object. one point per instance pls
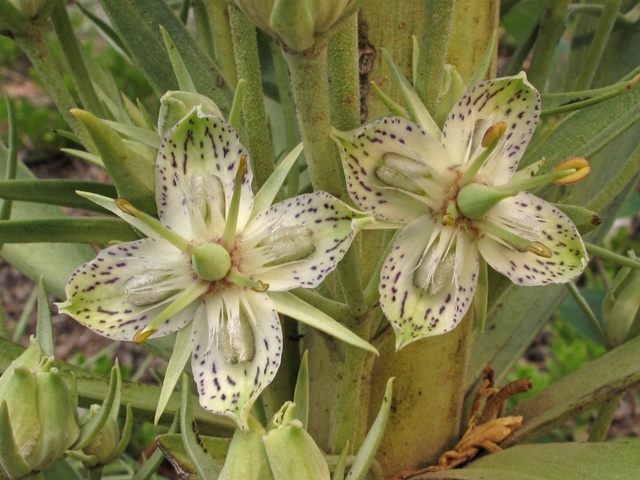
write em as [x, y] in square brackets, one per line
[209, 261]
[461, 197]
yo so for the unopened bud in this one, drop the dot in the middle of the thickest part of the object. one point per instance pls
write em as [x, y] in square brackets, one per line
[175, 105]
[621, 307]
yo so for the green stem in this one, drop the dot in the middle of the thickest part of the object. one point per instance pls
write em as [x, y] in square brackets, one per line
[586, 309]
[21, 324]
[12, 158]
[4, 333]
[245, 46]
[34, 45]
[617, 183]
[77, 68]
[95, 473]
[603, 420]
[183, 14]
[351, 281]
[344, 81]
[552, 26]
[612, 257]
[310, 92]
[218, 13]
[204, 28]
[438, 15]
[596, 49]
[288, 112]
[371, 293]
[330, 307]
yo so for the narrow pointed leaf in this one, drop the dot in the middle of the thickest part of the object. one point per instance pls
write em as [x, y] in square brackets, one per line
[483, 67]
[393, 107]
[289, 304]
[11, 462]
[55, 192]
[454, 93]
[66, 230]
[12, 160]
[203, 463]
[135, 113]
[68, 135]
[89, 157]
[147, 137]
[419, 112]
[184, 80]
[147, 118]
[236, 108]
[107, 32]
[115, 408]
[124, 438]
[132, 174]
[181, 353]
[44, 329]
[301, 394]
[264, 198]
[338, 472]
[374, 437]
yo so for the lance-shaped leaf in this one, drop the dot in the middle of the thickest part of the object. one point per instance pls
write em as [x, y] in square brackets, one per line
[181, 353]
[44, 328]
[55, 192]
[66, 230]
[184, 80]
[132, 173]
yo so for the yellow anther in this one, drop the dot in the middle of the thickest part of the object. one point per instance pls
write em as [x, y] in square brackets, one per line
[262, 288]
[580, 166]
[142, 335]
[493, 134]
[540, 249]
[448, 220]
[125, 206]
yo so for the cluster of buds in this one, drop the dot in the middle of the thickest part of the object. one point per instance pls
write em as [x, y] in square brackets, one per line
[621, 307]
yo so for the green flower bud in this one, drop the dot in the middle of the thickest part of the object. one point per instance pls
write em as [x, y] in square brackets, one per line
[17, 15]
[39, 416]
[295, 22]
[103, 446]
[246, 455]
[175, 105]
[291, 450]
[621, 307]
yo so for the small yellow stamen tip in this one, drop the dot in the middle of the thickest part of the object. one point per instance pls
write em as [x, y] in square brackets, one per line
[242, 168]
[580, 165]
[493, 134]
[541, 250]
[125, 206]
[142, 335]
[448, 220]
[262, 288]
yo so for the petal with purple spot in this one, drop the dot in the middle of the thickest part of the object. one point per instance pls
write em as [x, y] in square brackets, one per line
[511, 100]
[538, 221]
[297, 242]
[393, 168]
[237, 348]
[196, 175]
[128, 285]
[428, 280]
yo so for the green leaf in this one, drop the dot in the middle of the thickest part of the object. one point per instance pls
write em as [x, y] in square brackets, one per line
[181, 353]
[173, 447]
[89, 157]
[147, 137]
[289, 304]
[374, 437]
[153, 462]
[338, 471]
[56, 192]
[124, 438]
[246, 454]
[184, 80]
[301, 394]
[44, 327]
[566, 461]
[203, 463]
[483, 67]
[98, 230]
[106, 31]
[236, 109]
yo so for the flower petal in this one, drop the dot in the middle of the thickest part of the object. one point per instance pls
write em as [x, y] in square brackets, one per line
[126, 286]
[393, 147]
[296, 243]
[534, 219]
[512, 100]
[230, 387]
[428, 280]
[195, 177]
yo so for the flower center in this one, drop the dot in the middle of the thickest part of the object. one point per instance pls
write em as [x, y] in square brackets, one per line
[211, 261]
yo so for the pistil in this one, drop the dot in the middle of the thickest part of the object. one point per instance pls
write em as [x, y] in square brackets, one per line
[229, 234]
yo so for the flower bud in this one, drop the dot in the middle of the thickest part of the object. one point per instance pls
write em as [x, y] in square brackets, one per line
[175, 105]
[295, 22]
[620, 308]
[291, 450]
[103, 446]
[39, 414]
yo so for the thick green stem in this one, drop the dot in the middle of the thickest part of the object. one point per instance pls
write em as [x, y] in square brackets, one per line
[245, 46]
[603, 420]
[34, 45]
[95, 473]
[344, 82]
[438, 15]
[311, 94]
[596, 49]
[551, 28]
[77, 68]
[288, 112]
[218, 13]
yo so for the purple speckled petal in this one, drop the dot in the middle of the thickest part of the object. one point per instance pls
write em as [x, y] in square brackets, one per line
[195, 177]
[512, 100]
[374, 154]
[534, 219]
[226, 387]
[297, 242]
[128, 285]
[428, 280]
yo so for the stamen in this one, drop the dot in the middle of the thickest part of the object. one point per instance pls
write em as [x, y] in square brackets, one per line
[235, 276]
[541, 250]
[513, 239]
[578, 165]
[229, 234]
[234, 338]
[490, 141]
[192, 293]
[172, 237]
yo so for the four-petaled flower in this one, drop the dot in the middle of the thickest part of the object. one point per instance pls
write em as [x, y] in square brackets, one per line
[460, 194]
[208, 262]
